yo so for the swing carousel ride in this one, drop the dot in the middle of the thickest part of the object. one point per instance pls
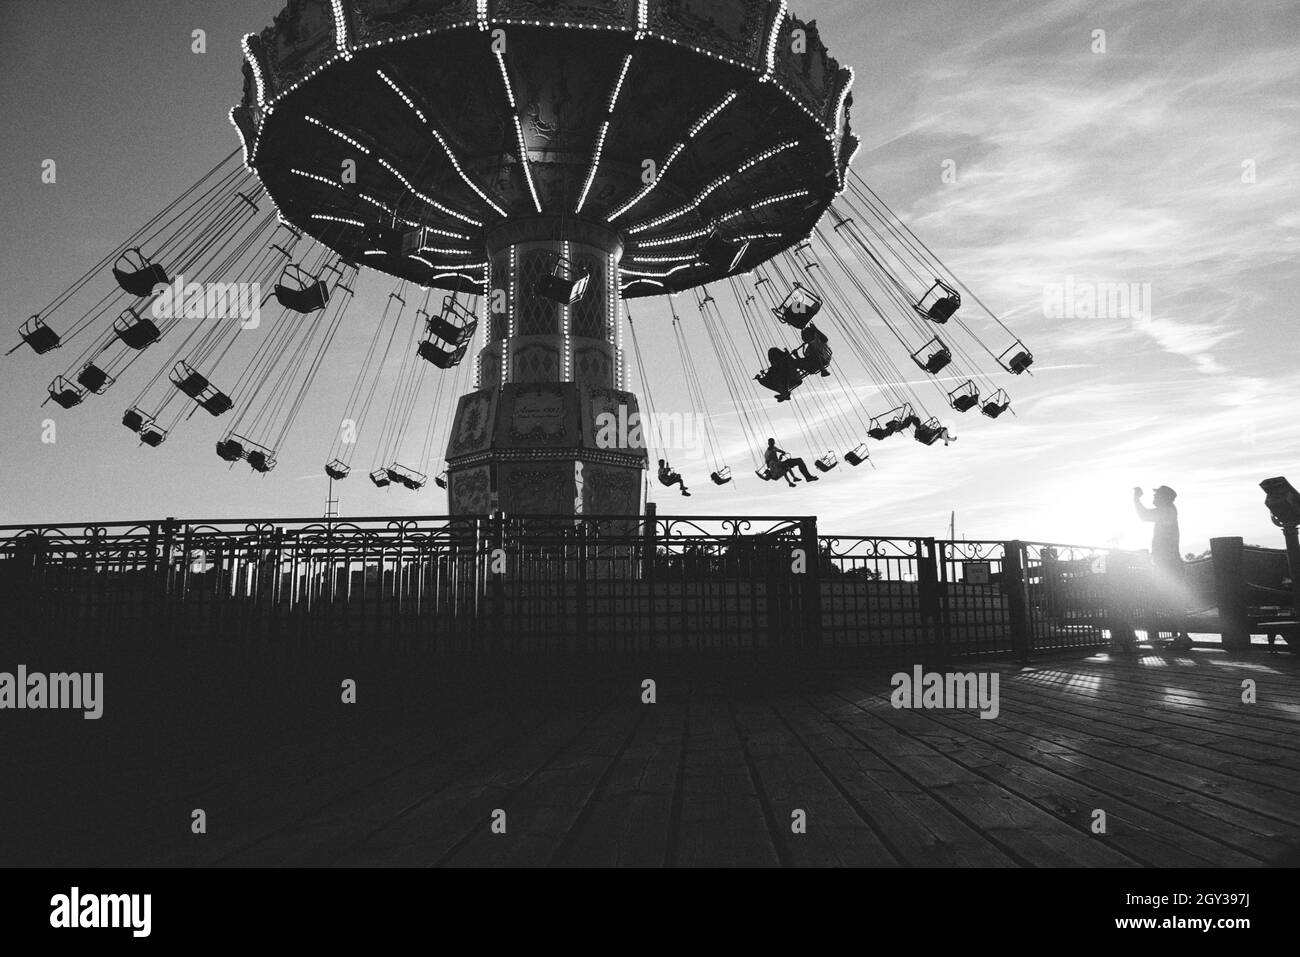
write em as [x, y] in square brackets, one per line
[519, 172]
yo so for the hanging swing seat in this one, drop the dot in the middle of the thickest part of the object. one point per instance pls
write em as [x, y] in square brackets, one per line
[218, 403]
[455, 326]
[858, 455]
[826, 462]
[94, 379]
[134, 419]
[564, 283]
[814, 356]
[782, 385]
[939, 304]
[722, 476]
[440, 480]
[66, 393]
[380, 478]
[724, 252]
[930, 432]
[1020, 359]
[196, 385]
[965, 397]
[300, 291]
[996, 404]
[152, 435]
[235, 447]
[933, 357]
[892, 422]
[230, 449]
[407, 478]
[39, 336]
[799, 308]
[337, 470]
[193, 384]
[137, 274]
[260, 459]
[443, 358]
[136, 331]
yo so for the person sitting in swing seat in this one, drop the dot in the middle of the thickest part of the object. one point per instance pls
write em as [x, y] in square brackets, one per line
[781, 466]
[782, 375]
[816, 356]
[670, 478]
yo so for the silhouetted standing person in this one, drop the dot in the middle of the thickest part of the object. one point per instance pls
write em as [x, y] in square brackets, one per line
[1166, 556]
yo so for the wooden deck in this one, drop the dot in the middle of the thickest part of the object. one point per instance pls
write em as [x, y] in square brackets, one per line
[1187, 774]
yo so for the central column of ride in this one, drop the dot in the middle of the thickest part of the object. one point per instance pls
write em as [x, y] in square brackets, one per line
[550, 430]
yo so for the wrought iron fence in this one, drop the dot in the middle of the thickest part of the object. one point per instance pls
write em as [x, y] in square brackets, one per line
[547, 585]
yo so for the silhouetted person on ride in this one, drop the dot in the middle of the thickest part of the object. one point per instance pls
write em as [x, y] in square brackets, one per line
[670, 478]
[780, 465]
[784, 372]
[1166, 557]
[816, 354]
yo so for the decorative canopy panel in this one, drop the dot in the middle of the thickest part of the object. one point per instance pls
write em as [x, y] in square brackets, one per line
[398, 131]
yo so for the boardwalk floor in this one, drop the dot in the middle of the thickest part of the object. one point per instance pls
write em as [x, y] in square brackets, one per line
[713, 773]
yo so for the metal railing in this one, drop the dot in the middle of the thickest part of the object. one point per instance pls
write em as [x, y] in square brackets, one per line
[547, 585]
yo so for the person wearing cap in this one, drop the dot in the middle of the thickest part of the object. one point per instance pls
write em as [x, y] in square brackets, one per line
[1165, 553]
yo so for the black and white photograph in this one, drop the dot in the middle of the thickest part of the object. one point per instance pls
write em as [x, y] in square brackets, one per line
[656, 434]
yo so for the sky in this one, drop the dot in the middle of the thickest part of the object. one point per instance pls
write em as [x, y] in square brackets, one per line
[1168, 160]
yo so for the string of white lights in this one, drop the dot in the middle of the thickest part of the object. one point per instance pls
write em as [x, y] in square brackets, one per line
[677, 151]
[604, 131]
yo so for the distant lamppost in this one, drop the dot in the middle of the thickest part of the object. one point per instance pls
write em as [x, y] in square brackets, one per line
[1283, 503]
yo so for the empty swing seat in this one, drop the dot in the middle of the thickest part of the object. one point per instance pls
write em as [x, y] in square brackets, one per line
[939, 303]
[218, 403]
[826, 462]
[407, 478]
[138, 275]
[133, 419]
[192, 383]
[996, 404]
[440, 480]
[380, 478]
[1020, 362]
[152, 436]
[937, 357]
[799, 308]
[965, 397]
[198, 387]
[857, 456]
[337, 470]
[724, 253]
[230, 450]
[136, 331]
[454, 325]
[442, 358]
[564, 282]
[722, 476]
[94, 379]
[300, 291]
[39, 336]
[65, 393]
